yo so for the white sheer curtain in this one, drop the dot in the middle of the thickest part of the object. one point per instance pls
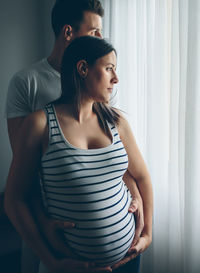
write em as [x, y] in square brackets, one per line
[158, 44]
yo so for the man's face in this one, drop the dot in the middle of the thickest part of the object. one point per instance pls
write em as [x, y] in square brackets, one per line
[91, 25]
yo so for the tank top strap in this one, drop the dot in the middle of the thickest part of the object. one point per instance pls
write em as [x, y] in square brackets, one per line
[54, 130]
[115, 133]
[116, 140]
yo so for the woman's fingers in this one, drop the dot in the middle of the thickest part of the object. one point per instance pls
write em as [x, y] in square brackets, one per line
[141, 245]
[99, 270]
[125, 260]
[76, 266]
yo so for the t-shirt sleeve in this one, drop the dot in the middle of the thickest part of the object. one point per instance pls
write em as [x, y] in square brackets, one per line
[17, 101]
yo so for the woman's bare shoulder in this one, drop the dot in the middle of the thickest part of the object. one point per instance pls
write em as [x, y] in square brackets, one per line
[122, 125]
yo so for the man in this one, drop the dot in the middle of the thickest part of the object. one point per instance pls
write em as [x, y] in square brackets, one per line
[31, 89]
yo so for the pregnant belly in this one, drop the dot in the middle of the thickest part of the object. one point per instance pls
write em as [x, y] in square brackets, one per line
[103, 229]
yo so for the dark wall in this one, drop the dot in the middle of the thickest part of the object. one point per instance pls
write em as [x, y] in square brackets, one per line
[25, 37]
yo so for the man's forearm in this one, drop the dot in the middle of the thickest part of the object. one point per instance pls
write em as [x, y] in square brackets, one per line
[20, 216]
[142, 191]
[37, 205]
[132, 186]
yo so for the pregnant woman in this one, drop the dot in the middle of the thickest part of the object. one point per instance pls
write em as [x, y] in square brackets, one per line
[82, 148]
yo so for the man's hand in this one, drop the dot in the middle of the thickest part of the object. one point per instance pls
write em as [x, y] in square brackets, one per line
[136, 207]
[54, 235]
[51, 229]
[142, 244]
[75, 266]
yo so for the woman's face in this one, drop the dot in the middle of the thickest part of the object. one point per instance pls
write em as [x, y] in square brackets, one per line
[101, 78]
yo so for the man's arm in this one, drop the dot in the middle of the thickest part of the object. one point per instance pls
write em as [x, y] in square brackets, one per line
[19, 185]
[136, 205]
[25, 164]
[14, 125]
[51, 229]
[16, 110]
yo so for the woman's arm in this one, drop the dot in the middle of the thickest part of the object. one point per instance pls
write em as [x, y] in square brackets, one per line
[139, 172]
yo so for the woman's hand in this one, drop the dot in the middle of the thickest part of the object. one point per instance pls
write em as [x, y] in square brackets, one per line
[142, 244]
[75, 266]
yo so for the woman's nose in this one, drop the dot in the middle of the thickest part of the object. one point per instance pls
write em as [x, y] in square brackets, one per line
[115, 79]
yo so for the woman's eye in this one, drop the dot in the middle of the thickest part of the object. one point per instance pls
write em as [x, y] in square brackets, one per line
[109, 68]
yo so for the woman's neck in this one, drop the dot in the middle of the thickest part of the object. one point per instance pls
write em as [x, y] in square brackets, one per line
[85, 112]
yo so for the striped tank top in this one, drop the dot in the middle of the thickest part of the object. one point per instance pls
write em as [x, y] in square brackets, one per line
[86, 187]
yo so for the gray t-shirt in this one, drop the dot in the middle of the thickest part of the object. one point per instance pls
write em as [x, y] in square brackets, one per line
[31, 89]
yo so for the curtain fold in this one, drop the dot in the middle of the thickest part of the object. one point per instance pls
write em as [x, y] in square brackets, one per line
[158, 45]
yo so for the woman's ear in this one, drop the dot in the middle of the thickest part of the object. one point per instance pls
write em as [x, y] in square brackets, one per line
[82, 68]
[67, 31]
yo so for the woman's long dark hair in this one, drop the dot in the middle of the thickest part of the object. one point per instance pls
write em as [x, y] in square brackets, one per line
[90, 49]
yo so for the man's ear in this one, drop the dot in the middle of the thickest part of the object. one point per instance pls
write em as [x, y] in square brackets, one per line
[82, 68]
[67, 31]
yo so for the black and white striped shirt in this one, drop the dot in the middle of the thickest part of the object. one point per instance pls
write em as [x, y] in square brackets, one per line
[86, 187]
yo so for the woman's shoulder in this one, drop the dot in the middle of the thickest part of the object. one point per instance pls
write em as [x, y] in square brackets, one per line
[121, 118]
[122, 124]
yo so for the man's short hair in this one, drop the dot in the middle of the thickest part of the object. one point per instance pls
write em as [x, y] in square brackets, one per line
[71, 12]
